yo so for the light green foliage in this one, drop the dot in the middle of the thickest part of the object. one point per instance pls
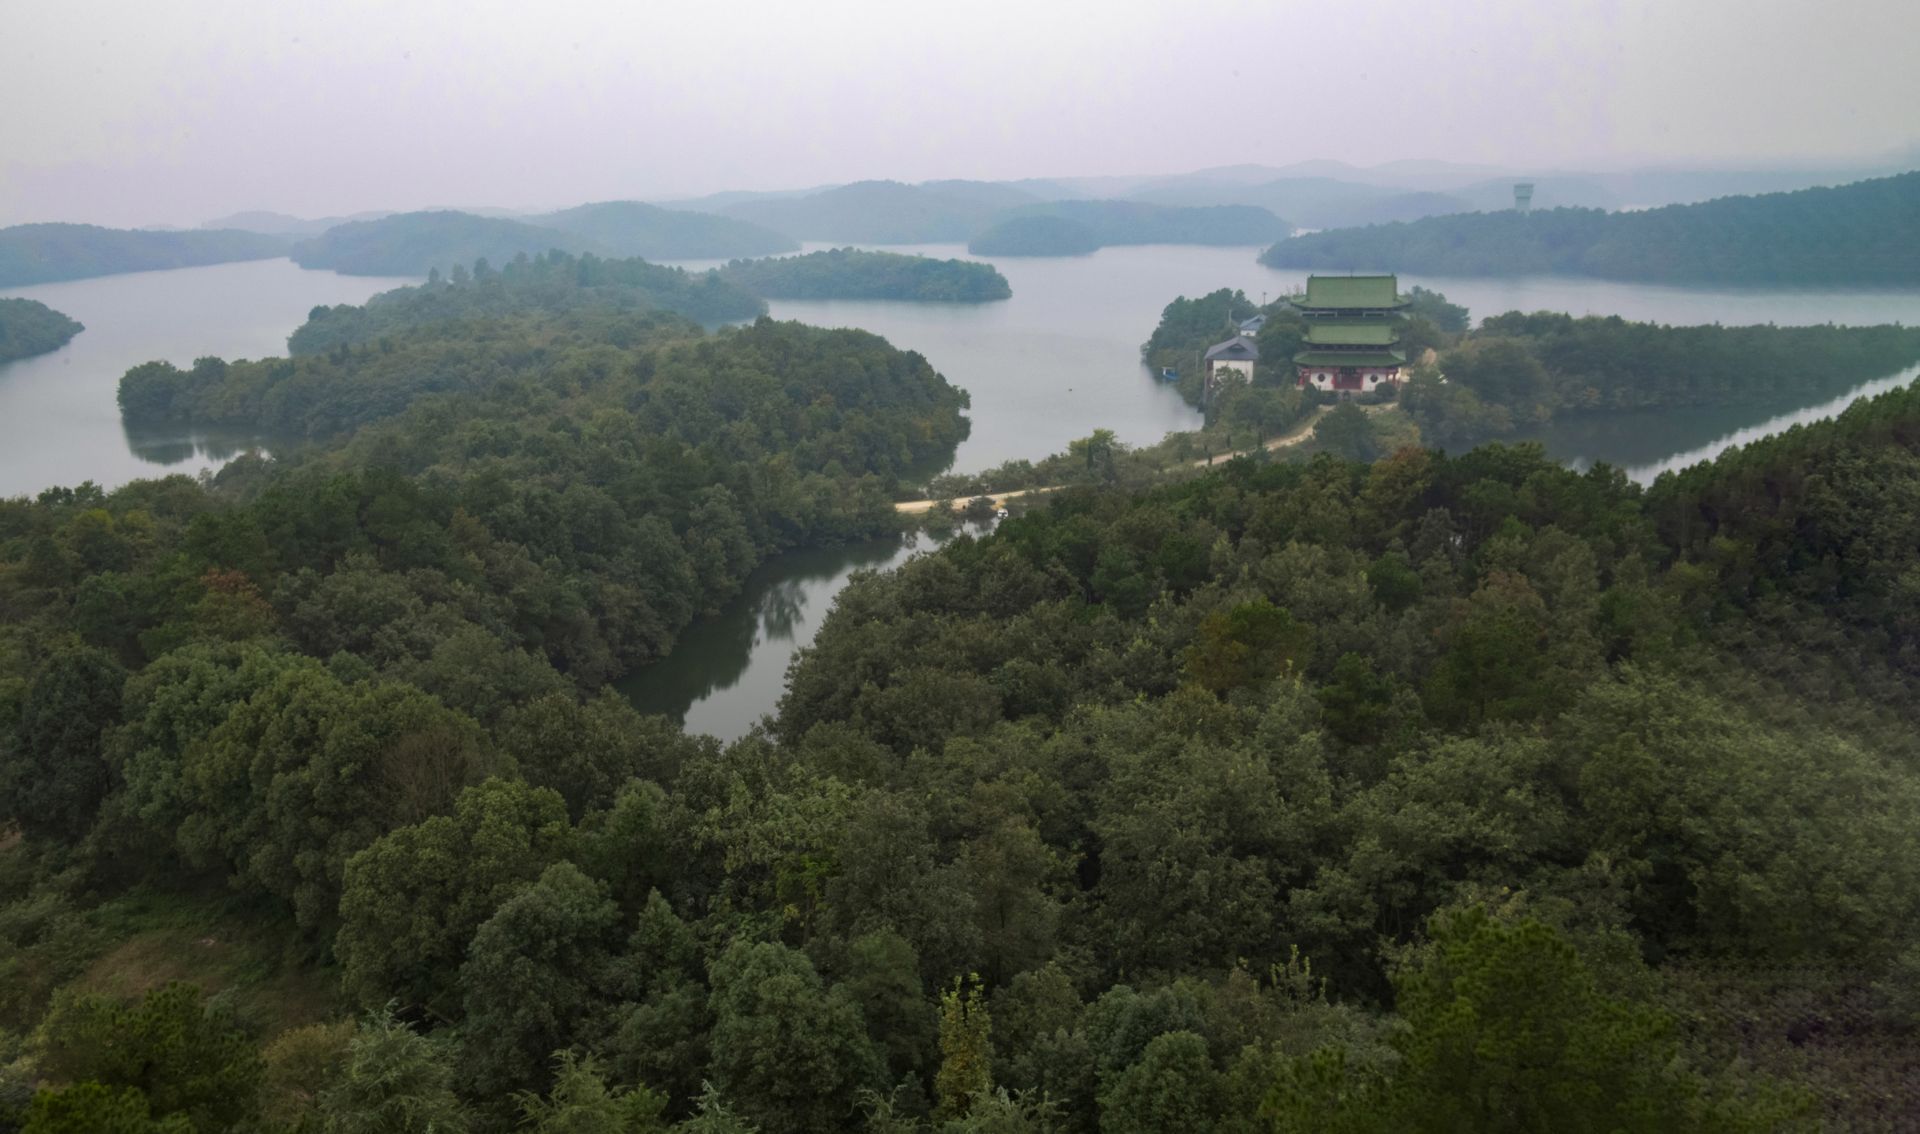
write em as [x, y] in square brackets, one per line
[787, 1051]
[310, 770]
[299, 1064]
[535, 977]
[92, 1108]
[412, 901]
[396, 1081]
[581, 1102]
[966, 1048]
[181, 1056]
[1171, 1087]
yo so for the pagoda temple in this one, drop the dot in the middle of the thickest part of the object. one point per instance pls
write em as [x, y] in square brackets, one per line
[1352, 343]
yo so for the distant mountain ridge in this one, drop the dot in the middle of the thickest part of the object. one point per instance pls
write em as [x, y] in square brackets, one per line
[46, 253]
[1859, 234]
[631, 228]
[413, 244]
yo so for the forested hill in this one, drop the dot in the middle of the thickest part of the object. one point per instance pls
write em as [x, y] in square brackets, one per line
[29, 327]
[1438, 794]
[877, 212]
[412, 244]
[1036, 236]
[43, 253]
[849, 273]
[629, 228]
[551, 282]
[1516, 370]
[1859, 234]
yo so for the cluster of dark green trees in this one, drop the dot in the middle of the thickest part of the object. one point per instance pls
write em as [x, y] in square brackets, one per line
[42, 253]
[1859, 234]
[554, 282]
[1516, 370]
[1421, 795]
[848, 273]
[29, 327]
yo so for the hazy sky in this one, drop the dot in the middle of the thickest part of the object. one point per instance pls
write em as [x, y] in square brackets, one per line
[138, 111]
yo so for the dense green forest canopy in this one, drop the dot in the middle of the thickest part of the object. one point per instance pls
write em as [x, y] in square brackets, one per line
[29, 327]
[1859, 234]
[1036, 236]
[1442, 793]
[413, 244]
[1518, 369]
[630, 228]
[553, 282]
[849, 273]
[43, 253]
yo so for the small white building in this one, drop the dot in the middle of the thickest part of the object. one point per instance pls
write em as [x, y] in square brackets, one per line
[1238, 353]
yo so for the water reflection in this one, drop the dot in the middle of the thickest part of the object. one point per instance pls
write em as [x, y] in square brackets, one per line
[172, 444]
[59, 418]
[1646, 443]
[730, 669]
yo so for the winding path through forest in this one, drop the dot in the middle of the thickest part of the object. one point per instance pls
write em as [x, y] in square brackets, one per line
[1298, 434]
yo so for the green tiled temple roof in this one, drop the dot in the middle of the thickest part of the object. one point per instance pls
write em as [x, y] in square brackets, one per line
[1352, 292]
[1333, 358]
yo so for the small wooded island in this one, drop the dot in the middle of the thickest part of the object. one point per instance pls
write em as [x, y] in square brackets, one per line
[29, 327]
[849, 273]
[554, 282]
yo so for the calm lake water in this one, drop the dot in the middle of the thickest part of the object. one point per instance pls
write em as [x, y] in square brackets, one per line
[59, 422]
[1058, 360]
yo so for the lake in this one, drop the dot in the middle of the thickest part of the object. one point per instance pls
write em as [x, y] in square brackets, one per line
[59, 421]
[1058, 360]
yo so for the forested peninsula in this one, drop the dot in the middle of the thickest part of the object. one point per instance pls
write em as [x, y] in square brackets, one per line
[1860, 234]
[45, 253]
[1245, 803]
[849, 273]
[1517, 370]
[553, 282]
[1036, 236]
[29, 327]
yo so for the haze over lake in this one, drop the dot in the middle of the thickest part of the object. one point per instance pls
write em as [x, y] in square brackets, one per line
[59, 421]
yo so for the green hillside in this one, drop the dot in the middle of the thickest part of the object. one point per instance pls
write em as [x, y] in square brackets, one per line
[412, 244]
[630, 228]
[29, 327]
[44, 253]
[1861, 234]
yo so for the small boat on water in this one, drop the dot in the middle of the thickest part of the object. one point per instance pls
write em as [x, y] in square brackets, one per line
[1169, 374]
